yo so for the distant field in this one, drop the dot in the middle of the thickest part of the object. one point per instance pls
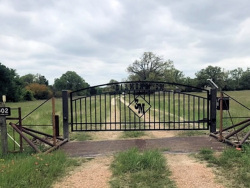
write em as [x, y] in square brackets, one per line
[235, 107]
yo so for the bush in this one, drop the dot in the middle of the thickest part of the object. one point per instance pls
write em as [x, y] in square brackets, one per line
[40, 91]
[28, 96]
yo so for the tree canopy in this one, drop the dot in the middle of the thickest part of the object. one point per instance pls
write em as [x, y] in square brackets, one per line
[214, 73]
[151, 67]
[70, 81]
[10, 84]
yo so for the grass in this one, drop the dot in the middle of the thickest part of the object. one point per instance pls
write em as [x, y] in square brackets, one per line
[235, 109]
[234, 165]
[80, 136]
[29, 170]
[140, 169]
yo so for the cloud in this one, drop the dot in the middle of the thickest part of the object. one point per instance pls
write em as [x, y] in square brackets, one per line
[99, 39]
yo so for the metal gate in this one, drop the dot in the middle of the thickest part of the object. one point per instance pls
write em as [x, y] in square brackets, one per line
[142, 105]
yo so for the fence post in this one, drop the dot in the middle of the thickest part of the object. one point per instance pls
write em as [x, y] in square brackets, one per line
[213, 103]
[65, 114]
[4, 136]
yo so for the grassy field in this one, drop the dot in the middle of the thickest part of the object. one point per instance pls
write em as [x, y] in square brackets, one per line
[236, 108]
[33, 171]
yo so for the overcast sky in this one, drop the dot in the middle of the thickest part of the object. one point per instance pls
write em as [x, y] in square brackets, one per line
[99, 39]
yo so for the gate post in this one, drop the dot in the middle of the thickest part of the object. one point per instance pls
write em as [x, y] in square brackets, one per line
[4, 134]
[65, 114]
[213, 95]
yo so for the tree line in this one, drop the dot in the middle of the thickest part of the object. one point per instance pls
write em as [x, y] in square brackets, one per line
[149, 67]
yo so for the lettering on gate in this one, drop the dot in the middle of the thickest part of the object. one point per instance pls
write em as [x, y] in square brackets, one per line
[139, 106]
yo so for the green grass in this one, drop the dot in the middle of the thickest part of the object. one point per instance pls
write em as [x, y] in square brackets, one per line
[235, 109]
[234, 165]
[29, 170]
[140, 169]
[80, 136]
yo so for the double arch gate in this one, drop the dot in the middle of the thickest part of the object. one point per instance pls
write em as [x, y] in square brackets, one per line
[142, 105]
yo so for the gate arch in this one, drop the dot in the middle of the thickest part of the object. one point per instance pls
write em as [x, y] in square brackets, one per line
[140, 105]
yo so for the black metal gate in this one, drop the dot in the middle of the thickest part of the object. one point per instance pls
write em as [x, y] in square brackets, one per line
[127, 106]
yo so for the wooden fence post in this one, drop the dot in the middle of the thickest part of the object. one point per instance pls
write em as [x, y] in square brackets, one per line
[4, 136]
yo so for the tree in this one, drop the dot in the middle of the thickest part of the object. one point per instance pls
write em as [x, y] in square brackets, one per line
[245, 80]
[149, 68]
[214, 73]
[173, 75]
[31, 78]
[40, 79]
[27, 79]
[70, 81]
[10, 84]
[234, 76]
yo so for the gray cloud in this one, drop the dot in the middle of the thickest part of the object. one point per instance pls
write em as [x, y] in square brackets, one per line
[99, 39]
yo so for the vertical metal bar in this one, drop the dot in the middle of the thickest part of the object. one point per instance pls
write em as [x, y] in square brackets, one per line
[75, 105]
[188, 111]
[115, 111]
[125, 114]
[90, 111]
[169, 109]
[110, 111]
[154, 110]
[95, 114]
[100, 97]
[193, 112]
[149, 100]
[203, 115]
[134, 114]
[164, 111]
[198, 112]
[174, 107]
[66, 113]
[86, 116]
[179, 109]
[159, 105]
[184, 111]
[120, 109]
[81, 113]
[144, 127]
[129, 111]
[105, 110]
